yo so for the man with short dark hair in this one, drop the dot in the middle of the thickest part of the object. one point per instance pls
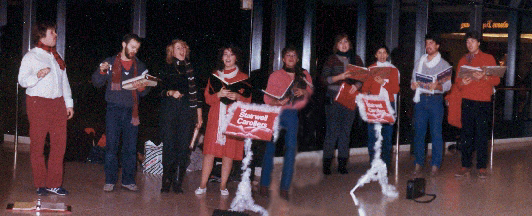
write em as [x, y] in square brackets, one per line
[122, 115]
[476, 106]
[49, 105]
[428, 110]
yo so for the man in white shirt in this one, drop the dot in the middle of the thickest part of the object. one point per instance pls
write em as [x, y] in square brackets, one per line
[49, 105]
[428, 108]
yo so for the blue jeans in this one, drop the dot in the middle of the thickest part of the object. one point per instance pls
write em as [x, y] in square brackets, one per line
[428, 112]
[387, 133]
[339, 121]
[289, 121]
[118, 121]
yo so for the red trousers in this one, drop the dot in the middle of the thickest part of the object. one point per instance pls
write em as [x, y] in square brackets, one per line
[47, 116]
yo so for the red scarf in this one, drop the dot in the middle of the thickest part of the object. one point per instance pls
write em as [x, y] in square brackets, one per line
[116, 80]
[52, 50]
[229, 71]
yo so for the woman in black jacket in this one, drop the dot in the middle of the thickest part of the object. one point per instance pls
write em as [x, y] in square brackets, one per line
[180, 114]
[339, 119]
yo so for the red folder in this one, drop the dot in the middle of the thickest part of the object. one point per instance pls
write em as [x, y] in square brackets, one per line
[345, 97]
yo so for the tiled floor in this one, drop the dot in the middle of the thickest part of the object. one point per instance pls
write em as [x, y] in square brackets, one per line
[508, 190]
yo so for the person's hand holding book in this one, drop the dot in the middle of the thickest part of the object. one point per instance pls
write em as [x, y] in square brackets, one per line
[353, 89]
[299, 92]
[466, 81]
[233, 95]
[174, 93]
[434, 86]
[223, 92]
[283, 101]
[139, 85]
[346, 74]
[479, 75]
[414, 85]
[379, 80]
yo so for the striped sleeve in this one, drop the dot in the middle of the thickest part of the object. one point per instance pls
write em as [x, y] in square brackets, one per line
[192, 89]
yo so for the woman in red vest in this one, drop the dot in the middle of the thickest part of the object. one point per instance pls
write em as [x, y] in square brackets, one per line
[388, 87]
[217, 144]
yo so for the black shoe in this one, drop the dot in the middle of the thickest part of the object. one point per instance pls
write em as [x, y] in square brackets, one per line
[342, 166]
[284, 194]
[176, 183]
[327, 166]
[264, 191]
[166, 185]
[42, 191]
[214, 178]
[59, 191]
[167, 180]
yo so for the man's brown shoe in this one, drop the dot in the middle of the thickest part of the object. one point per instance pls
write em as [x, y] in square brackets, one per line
[284, 194]
[417, 170]
[463, 172]
[264, 191]
[434, 171]
[483, 173]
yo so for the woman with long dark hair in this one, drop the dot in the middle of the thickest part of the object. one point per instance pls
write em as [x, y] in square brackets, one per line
[216, 144]
[180, 114]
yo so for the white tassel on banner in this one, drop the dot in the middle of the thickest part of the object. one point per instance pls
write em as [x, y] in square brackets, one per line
[377, 172]
[243, 200]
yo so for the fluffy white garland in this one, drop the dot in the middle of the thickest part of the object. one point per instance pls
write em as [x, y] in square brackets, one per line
[243, 199]
[377, 172]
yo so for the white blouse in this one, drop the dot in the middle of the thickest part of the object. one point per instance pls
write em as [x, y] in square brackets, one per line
[54, 85]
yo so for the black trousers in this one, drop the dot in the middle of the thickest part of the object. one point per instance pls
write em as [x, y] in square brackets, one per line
[177, 121]
[476, 121]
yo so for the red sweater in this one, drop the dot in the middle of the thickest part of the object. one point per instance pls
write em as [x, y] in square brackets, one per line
[478, 90]
[374, 88]
[277, 83]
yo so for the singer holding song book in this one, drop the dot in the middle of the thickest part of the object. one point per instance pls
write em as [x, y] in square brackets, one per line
[288, 119]
[476, 106]
[49, 105]
[387, 87]
[216, 144]
[339, 119]
[180, 114]
[428, 108]
[122, 113]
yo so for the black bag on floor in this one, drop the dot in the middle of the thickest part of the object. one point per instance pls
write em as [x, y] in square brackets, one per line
[96, 155]
[218, 212]
[415, 188]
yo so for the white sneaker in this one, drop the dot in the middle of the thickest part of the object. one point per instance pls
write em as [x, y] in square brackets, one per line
[224, 192]
[131, 187]
[200, 191]
[108, 187]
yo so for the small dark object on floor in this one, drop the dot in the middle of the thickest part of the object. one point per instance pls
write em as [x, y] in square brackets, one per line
[218, 212]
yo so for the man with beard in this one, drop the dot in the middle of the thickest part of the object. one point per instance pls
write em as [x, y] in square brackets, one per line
[122, 115]
[429, 106]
